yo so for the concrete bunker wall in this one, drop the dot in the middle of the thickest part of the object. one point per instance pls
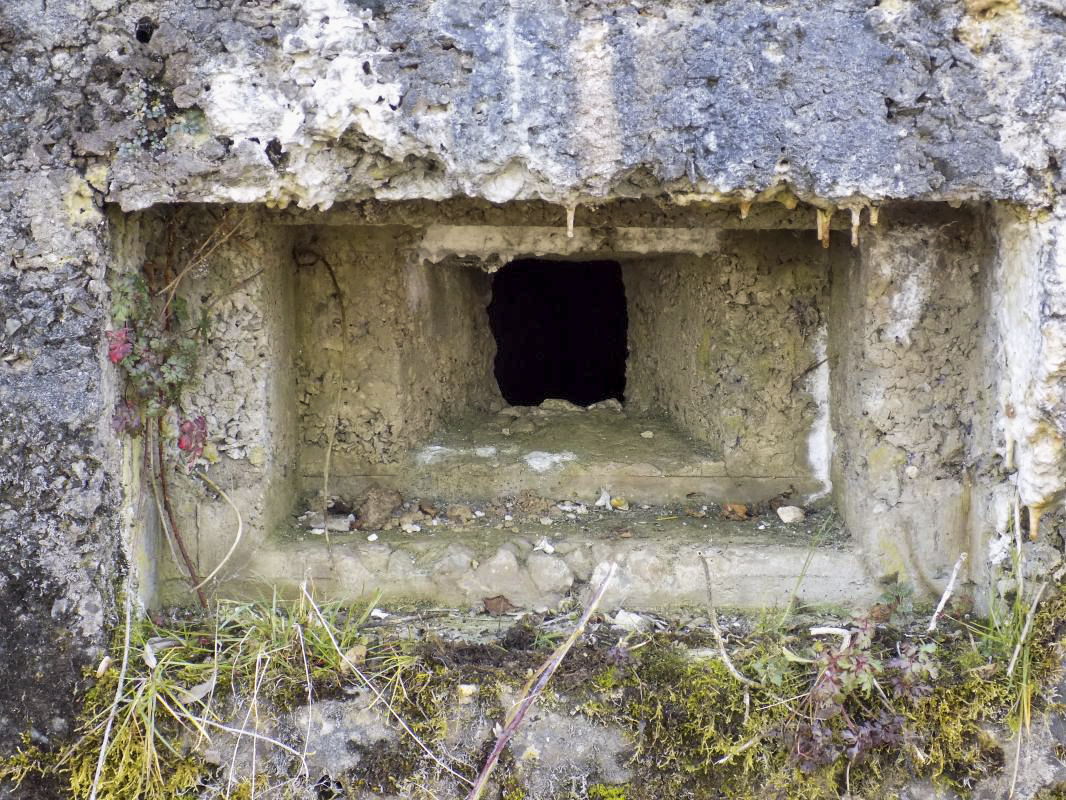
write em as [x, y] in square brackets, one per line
[844, 374]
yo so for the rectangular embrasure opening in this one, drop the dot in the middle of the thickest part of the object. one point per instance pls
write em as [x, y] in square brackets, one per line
[662, 377]
[438, 388]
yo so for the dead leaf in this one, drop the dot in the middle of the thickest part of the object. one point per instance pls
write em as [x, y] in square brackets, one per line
[498, 605]
[354, 657]
[197, 692]
[879, 612]
[698, 513]
[428, 508]
[735, 511]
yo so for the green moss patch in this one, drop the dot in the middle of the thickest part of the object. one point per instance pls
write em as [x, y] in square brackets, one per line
[866, 709]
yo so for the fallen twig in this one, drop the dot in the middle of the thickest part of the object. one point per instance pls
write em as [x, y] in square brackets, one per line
[947, 592]
[535, 686]
[718, 630]
[1025, 629]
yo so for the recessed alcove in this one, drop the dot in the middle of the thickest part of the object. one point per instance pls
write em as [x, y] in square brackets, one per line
[723, 359]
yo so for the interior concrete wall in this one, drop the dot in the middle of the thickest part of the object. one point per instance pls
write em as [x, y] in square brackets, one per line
[388, 348]
[870, 370]
[726, 345]
[245, 394]
[908, 386]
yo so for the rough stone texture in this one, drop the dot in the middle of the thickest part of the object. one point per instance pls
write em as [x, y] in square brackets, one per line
[417, 347]
[659, 565]
[432, 99]
[317, 101]
[905, 380]
[725, 344]
[555, 749]
[59, 528]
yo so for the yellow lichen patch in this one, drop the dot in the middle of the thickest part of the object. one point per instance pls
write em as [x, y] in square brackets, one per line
[97, 177]
[78, 203]
[989, 7]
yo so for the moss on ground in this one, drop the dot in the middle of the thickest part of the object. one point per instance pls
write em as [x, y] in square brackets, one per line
[821, 718]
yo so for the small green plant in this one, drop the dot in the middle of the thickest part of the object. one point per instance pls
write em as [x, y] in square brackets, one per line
[600, 791]
[184, 682]
[153, 348]
[156, 345]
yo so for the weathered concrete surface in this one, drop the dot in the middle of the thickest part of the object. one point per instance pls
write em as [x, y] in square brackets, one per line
[59, 532]
[726, 345]
[907, 361]
[432, 99]
[272, 102]
[754, 564]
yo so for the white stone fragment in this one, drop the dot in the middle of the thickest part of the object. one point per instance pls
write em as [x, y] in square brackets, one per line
[604, 500]
[628, 621]
[999, 549]
[410, 527]
[540, 461]
[791, 514]
[545, 546]
[576, 508]
[646, 435]
[433, 453]
[545, 520]
[340, 524]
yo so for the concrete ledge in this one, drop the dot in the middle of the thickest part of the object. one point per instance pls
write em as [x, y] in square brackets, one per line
[660, 566]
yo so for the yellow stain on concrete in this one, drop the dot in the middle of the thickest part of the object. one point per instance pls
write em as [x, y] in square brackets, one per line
[78, 203]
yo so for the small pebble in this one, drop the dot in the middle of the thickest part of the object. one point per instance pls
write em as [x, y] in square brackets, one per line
[372, 537]
[646, 434]
[545, 520]
[791, 514]
[410, 527]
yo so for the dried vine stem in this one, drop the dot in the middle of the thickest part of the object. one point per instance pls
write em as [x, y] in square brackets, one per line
[335, 416]
[194, 580]
[237, 536]
[218, 237]
[713, 614]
